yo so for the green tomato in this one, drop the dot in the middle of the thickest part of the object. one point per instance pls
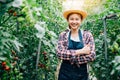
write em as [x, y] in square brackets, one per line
[20, 74]
[20, 19]
[20, 65]
[115, 47]
[20, 77]
[16, 70]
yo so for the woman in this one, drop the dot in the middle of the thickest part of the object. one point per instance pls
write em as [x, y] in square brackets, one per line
[75, 48]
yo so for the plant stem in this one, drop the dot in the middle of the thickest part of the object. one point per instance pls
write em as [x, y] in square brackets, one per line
[5, 20]
[38, 56]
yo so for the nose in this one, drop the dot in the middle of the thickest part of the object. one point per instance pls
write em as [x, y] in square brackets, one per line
[74, 21]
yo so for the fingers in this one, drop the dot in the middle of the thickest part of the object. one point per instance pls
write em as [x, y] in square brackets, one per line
[88, 45]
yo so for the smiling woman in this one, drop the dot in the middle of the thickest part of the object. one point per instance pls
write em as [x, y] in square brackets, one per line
[75, 46]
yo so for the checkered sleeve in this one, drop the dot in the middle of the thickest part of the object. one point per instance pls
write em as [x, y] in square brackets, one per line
[62, 51]
[88, 58]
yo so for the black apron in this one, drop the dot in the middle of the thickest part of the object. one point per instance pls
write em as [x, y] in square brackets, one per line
[70, 71]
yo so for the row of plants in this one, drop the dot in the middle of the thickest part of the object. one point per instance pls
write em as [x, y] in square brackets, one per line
[107, 64]
[29, 29]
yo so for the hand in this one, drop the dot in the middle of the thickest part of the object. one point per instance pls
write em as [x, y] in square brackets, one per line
[86, 49]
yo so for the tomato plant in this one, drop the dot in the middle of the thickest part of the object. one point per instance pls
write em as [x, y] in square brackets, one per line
[29, 32]
[105, 67]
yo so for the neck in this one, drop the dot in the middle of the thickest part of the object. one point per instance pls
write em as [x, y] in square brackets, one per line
[74, 31]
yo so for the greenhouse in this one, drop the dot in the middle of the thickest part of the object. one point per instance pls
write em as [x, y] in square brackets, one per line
[29, 34]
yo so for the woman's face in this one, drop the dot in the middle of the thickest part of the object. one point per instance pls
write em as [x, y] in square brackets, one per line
[74, 21]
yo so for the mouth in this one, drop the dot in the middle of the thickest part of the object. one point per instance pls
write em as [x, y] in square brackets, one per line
[74, 25]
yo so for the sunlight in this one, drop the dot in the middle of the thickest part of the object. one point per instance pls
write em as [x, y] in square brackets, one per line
[88, 5]
[75, 4]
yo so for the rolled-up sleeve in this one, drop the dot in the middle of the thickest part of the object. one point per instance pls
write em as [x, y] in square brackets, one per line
[62, 48]
[91, 57]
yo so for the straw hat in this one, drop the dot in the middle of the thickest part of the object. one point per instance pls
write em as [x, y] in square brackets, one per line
[74, 7]
[82, 13]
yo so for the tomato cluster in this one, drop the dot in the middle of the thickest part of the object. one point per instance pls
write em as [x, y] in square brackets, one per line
[41, 65]
[13, 12]
[45, 56]
[5, 66]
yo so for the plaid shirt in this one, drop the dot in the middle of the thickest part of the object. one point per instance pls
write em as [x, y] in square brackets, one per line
[64, 54]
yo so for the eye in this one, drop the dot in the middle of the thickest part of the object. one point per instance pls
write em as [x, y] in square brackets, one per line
[71, 18]
[77, 19]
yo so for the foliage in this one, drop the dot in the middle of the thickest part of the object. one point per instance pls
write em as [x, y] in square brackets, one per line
[21, 28]
[30, 27]
[106, 67]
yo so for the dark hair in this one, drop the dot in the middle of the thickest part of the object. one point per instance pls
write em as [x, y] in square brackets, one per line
[75, 13]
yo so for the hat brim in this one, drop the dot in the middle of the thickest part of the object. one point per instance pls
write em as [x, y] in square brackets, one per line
[83, 13]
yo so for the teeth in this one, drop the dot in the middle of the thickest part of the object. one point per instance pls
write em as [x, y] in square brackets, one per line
[73, 25]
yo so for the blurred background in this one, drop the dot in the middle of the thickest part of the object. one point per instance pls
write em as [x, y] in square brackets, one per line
[29, 32]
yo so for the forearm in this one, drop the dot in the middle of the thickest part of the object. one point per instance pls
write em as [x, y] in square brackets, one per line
[80, 52]
[86, 58]
[65, 54]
